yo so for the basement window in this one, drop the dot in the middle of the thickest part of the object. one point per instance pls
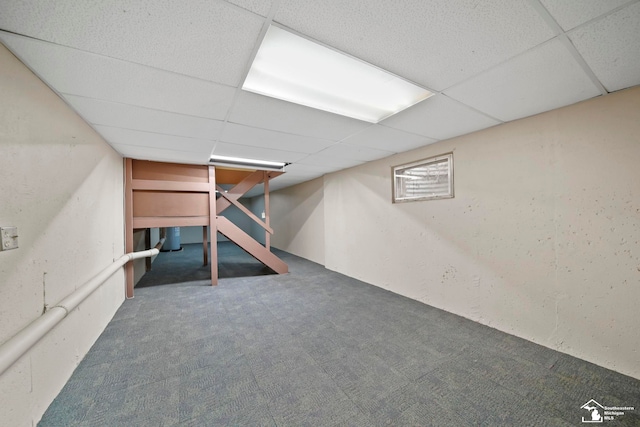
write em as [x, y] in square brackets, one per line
[426, 179]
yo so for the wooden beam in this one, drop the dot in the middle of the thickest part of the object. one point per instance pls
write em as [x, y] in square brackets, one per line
[169, 221]
[166, 203]
[162, 171]
[246, 211]
[240, 189]
[251, 246]
[213, 225]
[156, 185]
[128, 225]
[231, 175]
[267, 236]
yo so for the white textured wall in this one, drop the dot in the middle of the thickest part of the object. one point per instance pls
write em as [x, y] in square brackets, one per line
[192, 235]
[542, 239]
[298, 220]
[61, 185]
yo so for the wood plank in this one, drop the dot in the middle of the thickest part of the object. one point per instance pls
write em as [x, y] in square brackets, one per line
[169, 221]
[152, 184]
[249, 245]
[228, 175]
[273, 174]
[267, 236]
[241, 188]
[231, 175]
[213, 226]
[161, 171]
[128, 225]
[243, 208]
[161, 203]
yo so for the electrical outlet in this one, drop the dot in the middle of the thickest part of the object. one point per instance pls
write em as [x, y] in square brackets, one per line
[8, 238]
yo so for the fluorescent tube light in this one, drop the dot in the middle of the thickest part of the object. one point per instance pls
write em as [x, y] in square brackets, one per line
[294, 69]
[246, 163]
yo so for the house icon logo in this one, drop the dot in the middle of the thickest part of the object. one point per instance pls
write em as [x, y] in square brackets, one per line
[595, 412]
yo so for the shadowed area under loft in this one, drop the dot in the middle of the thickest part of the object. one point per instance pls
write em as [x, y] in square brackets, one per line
[186, 265]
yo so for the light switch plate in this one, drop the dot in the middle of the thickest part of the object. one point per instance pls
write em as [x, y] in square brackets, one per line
[8, 238]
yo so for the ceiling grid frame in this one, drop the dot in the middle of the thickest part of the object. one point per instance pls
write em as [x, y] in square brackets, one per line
[562, 36]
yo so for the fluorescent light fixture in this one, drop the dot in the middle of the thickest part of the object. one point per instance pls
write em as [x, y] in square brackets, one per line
[295, 69]
[238, 162]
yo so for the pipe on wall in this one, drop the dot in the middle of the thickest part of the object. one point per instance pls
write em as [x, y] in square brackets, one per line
[19, 344]
[161, 241]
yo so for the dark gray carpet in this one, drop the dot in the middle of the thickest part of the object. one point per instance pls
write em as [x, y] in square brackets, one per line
[315, 348]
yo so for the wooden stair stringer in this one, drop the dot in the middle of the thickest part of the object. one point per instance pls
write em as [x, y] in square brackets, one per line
[250, 245]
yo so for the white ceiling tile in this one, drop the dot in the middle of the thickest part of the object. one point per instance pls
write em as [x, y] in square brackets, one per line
[571, 13]
[256, 153]
[355, 152]
[305, 176]
[435, 43]
[161, 154]
[611, 47]
[273, 114]
[261, 7]
[144, 119]
[540, 80]
[388, 139]
[440, 118]
[332, 163]
[187, 38]
[154, 140]
[256, 137]
[307, 171]
[75, 72]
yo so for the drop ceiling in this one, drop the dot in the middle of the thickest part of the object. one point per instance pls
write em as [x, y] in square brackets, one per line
[161, 80]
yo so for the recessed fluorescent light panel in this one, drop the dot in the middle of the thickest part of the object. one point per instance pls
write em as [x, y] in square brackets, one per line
[294, 69]
[239, 162]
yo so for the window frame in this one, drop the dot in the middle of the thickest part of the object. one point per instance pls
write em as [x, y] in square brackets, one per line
[435, 159]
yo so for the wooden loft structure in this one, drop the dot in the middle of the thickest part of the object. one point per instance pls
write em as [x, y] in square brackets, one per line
[179, 195]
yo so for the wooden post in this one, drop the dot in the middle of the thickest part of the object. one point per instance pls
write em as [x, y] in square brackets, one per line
[267, 235]
[128, 224]
[213, 228]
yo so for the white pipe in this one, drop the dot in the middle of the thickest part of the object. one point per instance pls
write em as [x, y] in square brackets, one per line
[160, 243]
[20, 343]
